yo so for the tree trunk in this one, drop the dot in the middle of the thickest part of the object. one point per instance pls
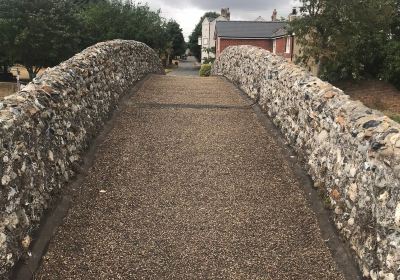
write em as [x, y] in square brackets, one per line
[32, 71]
[320, 66]
[37, 70]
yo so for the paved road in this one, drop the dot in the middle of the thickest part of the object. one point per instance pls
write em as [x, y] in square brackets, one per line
[189, 185]
[186, 68]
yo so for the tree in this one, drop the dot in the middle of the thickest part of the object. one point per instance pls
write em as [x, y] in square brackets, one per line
[194, 37]
[6, 34]
[344, 37]
[395, 26]
[41, 33]
[38, 33]
[174, 34]
[209, 59]
[391, 70]
[117, 19]
[83, 3]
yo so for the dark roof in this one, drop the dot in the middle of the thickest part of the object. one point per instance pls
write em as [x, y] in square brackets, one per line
[250, 29]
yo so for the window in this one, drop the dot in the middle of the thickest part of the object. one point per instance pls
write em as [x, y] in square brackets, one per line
[274, 47]
[288, 44]
[205, 41]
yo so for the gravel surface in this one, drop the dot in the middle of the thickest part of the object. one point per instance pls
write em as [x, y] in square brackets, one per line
[183, 191]
[187, 67]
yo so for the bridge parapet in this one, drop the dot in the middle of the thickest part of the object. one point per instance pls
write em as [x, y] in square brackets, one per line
[46, 127]
[352, 152]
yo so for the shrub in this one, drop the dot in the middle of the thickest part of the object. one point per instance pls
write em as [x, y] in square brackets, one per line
[391, 71]
[396, 118]
[209, 60]
[205, 70]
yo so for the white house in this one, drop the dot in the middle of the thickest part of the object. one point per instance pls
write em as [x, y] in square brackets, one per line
[207, 41]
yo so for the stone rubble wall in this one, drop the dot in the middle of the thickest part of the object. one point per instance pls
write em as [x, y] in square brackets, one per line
[46, 128]
[352, 152]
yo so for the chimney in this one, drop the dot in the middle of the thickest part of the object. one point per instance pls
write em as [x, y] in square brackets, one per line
[293, 15]
[274, 15]
[226, 13]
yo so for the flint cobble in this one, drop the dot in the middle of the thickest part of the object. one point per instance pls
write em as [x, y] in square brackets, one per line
[46, 127]
[352, 152]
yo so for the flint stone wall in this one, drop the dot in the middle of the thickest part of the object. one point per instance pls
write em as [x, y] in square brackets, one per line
[46, 127]
[352, 152]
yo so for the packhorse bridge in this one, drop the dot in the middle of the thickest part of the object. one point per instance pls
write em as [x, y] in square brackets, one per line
[172, 177]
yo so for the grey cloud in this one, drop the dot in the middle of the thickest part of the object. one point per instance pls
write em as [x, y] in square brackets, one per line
[240, 9]
[239, 5]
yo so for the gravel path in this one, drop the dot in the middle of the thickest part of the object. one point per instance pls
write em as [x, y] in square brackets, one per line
[186, 68]
[189, 185]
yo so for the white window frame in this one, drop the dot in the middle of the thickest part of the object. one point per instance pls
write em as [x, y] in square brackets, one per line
[288, 44]
[205, 41]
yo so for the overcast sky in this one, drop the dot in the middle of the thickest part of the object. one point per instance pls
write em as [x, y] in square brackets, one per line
[188, 12]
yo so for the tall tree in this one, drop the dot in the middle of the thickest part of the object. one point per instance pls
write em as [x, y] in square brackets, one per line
[175, 36]
[194, 37]
[344, 37]
[38, 33]
[6, 38]
[395, 27]
[391, 70]
[117, 19]
[87, 2]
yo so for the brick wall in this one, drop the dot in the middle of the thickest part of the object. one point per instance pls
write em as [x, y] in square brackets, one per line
[262, 43]
[281, 48]
[266, 44]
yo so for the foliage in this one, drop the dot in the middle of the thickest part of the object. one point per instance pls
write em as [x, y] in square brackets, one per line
[38, 33]
[395, 27]
[205, 70]
[194, 37]
[344, 37]
[209, 59]
[174, 35]
[42, 33]
[117, 19]
[391, 71]
[86, 2]
[396, 118]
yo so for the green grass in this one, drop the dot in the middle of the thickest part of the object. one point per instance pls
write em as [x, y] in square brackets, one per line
[393, 116]
[396, 118]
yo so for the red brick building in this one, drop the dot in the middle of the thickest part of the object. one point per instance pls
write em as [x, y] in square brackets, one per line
[271, 36]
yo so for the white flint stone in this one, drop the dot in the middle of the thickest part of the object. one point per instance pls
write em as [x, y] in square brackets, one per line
[56, 125]
[3, 239]
[51, 156]
[397, 215]
[5, 180]
[352, 193]
[384, 197]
